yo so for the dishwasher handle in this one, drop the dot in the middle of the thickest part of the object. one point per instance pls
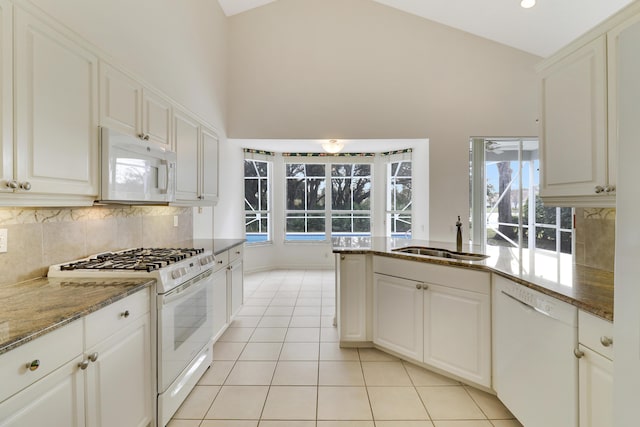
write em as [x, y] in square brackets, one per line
[528, 306]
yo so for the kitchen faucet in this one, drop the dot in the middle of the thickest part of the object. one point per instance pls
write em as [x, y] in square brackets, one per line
[459, 235]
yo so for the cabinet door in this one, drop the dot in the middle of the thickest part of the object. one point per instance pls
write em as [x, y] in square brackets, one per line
[119, 380]
[596, 389]
[457, 332]
[56, 110]
[55, 400]
[156, 123]
[6, 96]
[209, 165]
[120, 101]
[397, 315]
[219, 302]
[235, 286]
[186, 136]
[574, 123]
[352, 298]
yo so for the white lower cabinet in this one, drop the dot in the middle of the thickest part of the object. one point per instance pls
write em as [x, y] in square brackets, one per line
[352, 297]
[440, 316]
[219, 302]
[595, 370]
[235, 286]
[106, 383]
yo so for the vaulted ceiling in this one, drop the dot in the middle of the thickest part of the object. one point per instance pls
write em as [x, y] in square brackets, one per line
[541, 30]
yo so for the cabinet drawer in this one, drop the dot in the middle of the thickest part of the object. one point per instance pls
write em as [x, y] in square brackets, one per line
[104, 322]
[453, 277]
[52, 350]
[222, 260]
[235, 253]
[595, 333]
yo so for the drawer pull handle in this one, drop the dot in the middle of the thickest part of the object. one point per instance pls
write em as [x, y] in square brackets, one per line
[34, 365]
[418, 286]
[578, 353]
[84, 364]
[606, 341]
[125, 314]
[93, 356]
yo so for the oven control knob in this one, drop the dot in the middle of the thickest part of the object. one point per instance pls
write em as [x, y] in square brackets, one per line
[178, 272]
[207, 260]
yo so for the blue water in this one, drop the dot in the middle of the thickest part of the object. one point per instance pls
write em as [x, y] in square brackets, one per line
[300, 237]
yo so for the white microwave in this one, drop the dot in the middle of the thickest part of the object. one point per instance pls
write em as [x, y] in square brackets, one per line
[134, 171]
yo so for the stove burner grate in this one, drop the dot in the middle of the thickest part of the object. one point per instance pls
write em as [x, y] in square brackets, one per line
[140, 259]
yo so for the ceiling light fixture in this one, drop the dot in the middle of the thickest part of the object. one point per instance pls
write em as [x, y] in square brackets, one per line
[527, 4]
[332, 146]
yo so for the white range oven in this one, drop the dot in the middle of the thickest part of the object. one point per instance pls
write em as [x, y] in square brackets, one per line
[182, 314]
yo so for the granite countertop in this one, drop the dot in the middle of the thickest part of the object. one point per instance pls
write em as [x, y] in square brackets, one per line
[32, 308]
[553, 274]
[216, 246]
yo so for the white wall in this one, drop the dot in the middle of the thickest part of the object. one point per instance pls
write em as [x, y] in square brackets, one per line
[357, 69]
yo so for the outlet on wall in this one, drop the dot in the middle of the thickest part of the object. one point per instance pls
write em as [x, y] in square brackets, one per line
[175, 220]
[3, 240]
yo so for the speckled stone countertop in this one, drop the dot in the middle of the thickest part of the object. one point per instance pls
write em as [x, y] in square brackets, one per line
[32, 308]
[553, 274]
[216, 246]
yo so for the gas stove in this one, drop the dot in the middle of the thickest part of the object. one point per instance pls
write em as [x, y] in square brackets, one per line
[169, 266]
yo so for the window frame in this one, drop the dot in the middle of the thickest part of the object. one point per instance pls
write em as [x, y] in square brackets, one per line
[261, 213]
[390, 185]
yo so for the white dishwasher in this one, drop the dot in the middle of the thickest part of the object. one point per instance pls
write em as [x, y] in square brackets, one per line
[535, 372]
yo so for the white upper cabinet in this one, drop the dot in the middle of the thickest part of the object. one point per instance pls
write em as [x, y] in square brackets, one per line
[6, 96]
[129, 107]
[56, 112]
[209, 164]
[574, 154]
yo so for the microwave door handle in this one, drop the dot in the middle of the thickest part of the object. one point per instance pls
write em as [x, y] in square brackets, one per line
[163, 176]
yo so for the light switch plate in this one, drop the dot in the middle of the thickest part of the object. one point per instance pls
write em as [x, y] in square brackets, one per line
[3, 240]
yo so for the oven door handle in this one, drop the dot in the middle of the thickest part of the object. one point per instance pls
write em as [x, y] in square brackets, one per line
[186, 288]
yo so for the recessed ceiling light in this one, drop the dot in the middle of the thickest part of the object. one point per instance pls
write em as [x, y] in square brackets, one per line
[332, 146]
[528, 3]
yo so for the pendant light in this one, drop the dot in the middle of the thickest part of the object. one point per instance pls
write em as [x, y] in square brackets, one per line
[332, 146]
[527, 4]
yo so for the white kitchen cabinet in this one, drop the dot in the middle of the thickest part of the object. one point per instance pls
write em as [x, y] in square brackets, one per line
[220, 318]
[398, 315]
[56, 114]
[235, 281]
[127, 106]
[6, 96]
[352, 298]
[457, 332]
[595, 370]
[575, 164]
[209, 165]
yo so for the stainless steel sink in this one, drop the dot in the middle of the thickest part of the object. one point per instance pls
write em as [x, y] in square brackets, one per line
[441, 253]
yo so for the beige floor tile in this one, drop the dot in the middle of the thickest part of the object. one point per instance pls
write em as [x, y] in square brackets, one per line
[375, 355]
[343, 403]
[252, 311]
[396, 403]
[404, 424]
[327, 322]
[303, 335]
[284, 293]
[305, 322]
[290, 403]
[278, 311]
[328, 311]
[331, 351]
[197, 403]
[424, 377]
[261, 351]
[245, 322]
[492, 407]
[257, 302]
[308, 293]
[227, 350]
[506, 423]
[283, 302]
[184, 423]
[281, 423]
[300, 351]
[217, 373]
[345, 373]
[463, 423]
[229, 423]
[450, 403]
[268, 335]
[238, 403]
[309, 302]
[260, 293]
[251, 373]
[329, 335]
[236, 335]
[307, 311]
[296, 373]
[345, 424]
[385, 373]
[274, 322]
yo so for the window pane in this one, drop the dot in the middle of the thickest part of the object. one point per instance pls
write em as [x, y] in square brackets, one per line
[305, 226]
[315, 193]
[401, 194]
[256, 200]
[251, 194]
[351, 223]
[566, 218]
[249, 168]
[264, 194]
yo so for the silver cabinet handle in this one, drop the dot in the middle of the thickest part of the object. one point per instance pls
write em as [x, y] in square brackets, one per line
[609, 188]
[125, 314]
[13, 184]
[33, 365]
[93, 356]
[342, 257]
[578, 353]
[418, 286]
[25, 185]
[606, 341]
[599, 189]
[425, 287]
[84, 364]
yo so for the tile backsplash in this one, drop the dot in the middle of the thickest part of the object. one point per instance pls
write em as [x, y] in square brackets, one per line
[595, 238]
[40, 237]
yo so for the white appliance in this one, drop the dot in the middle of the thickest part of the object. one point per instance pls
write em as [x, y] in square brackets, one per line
[133, 170]
[534, 366]
[182, 324]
